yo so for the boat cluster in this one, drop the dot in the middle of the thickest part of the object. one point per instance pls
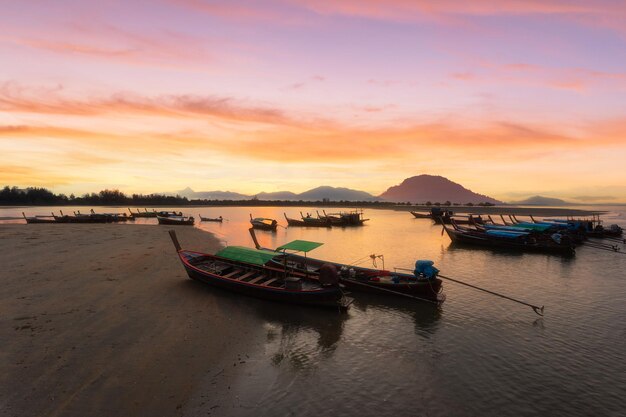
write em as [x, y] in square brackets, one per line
[340, 219]
[556, 236]
[79, 217]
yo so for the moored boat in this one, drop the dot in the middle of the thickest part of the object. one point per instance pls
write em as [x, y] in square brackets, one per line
[249, 275]
[211, 219]
[343, 219]
[39, 219]
[307, 221]
[176, 220]
[144, 213]
[422, 284]
[263, 223]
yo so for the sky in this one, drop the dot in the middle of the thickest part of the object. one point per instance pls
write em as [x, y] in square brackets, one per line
[508, 98]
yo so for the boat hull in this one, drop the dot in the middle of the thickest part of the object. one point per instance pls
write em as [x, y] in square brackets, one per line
[325, 297]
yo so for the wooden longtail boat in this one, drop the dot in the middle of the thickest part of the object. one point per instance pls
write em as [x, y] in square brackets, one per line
[144, 213]
[209, 219]
[263, 223]
[307, 221]
[39, 219]
[425, 286]
[176, 220]
[79, 218]
[526, 241]
[419, 215]
[249, 275]
[343, 219]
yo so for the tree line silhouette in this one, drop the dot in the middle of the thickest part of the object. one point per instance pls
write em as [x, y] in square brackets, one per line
[36, 196]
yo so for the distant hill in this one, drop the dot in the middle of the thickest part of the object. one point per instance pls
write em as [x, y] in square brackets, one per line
[539, 200]
[335, 194]
[278, 195]
[423, 188]
[212, 195]
[316, 194]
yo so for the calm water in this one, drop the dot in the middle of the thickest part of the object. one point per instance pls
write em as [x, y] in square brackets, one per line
[478, 355]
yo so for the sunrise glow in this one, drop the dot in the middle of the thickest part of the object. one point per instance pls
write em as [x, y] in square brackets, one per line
[510, 99]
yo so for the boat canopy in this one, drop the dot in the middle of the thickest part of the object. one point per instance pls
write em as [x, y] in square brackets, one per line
[300, 246]
[247, 255]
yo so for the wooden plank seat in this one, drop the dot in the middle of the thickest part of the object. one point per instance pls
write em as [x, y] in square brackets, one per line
[246, 275]
[257, 279]
[266, 283]
[230, 275]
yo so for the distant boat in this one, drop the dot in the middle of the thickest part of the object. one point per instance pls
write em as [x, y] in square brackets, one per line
[39, 219]
[307, 221]
[144, 213]
[249, 275]
[342, 219]
[209, 219]
[176, 220]
[263, 223]
[418, 215]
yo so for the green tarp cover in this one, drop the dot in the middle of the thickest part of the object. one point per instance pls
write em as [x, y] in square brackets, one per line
[248, 255]
[300, 245]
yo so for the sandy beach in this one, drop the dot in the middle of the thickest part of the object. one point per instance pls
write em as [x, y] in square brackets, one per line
[102, 320]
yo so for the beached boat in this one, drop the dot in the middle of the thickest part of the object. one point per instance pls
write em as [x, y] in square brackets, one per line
[526, 241]
[263, 223]
[39, 219]
[176, 220]
[238, 271]
[211, 219]
[307, 221]
[423, 283]
[79, 218]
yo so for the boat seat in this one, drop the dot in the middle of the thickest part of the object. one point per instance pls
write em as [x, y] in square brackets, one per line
[246, 275]
[235, 272]
[257, 279]
[266, 283]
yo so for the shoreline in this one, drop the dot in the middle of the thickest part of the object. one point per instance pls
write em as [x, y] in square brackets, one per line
[104, 321]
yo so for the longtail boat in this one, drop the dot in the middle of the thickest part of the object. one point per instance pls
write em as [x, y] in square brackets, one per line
[343, 219]
[144, 213]
[527, 241]
[238, 271]
[211, 219]
[419, 215]
[39, 219]
[263, 223]
[307, 221]
[176, 220]
[422, 284]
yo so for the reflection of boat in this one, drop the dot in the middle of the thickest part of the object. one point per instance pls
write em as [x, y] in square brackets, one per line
[237, 271]
[263, 223]
[308, 221]
[423, 283]
[39, 219]
[210, 219]
[176, 220]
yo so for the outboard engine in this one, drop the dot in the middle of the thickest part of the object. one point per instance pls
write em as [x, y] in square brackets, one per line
[328, 275]
[425, 269]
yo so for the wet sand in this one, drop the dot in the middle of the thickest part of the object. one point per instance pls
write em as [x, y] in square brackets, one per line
[102, 320]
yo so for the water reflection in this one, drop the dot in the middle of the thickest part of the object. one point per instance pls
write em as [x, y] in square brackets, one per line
[300, 337]
[426, 317]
